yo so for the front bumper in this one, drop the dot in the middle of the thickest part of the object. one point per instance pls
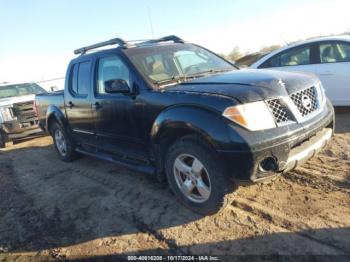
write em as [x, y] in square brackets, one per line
[286, 148]
[15, 130]
[308, 149]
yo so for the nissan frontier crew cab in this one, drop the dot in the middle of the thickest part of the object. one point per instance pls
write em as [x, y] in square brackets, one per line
[178, 111]
[18, 117]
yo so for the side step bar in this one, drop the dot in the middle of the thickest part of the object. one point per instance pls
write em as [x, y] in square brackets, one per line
[103, 156]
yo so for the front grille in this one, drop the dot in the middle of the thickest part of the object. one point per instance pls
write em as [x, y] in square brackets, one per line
[305, 100]
[279, 111]
[25, 112]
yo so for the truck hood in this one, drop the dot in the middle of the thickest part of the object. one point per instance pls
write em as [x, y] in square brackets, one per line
[8, 101]
[249, 85]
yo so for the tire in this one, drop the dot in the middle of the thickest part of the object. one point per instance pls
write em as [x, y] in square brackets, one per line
[189, 159]
[2, 140]
[63, 143]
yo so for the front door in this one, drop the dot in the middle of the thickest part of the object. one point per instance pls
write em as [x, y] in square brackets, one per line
[300, 58]
[116, 114]
[78, 102]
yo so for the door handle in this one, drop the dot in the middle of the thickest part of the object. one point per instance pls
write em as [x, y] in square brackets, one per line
[97, 105]
[71, 105]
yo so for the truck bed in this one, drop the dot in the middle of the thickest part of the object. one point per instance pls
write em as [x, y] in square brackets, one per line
[45, 102]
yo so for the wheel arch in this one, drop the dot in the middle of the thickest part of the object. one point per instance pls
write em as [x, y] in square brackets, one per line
[54, 114]
[177, 122]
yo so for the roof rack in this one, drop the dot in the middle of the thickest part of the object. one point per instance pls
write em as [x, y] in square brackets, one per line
[173, 38]
[114, 41]
[126, 44]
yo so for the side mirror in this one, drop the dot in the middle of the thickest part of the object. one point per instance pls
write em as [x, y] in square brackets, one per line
[54, 88]
[116, 86]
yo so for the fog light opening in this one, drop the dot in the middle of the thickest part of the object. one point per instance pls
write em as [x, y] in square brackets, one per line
[269, 164]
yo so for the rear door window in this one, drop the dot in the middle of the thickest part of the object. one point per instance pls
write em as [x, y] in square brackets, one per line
[292, 57]
[73, 85]
[334, 52]
[81, 79]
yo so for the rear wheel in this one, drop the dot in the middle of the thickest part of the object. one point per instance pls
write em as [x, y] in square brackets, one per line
[63, 143]
[2, 140]
[196, 177]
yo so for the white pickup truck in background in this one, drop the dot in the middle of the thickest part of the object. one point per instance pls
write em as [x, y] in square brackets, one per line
[18, 117]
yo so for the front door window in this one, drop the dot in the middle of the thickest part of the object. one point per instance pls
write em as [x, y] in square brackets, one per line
[110, 68]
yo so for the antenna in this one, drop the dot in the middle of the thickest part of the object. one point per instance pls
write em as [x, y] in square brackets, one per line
[284, 40]
[150, 21]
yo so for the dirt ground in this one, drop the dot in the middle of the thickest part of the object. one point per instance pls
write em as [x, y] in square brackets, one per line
[87, 209]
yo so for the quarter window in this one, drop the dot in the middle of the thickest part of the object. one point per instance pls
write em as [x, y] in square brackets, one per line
[335, 52]
[110, 68]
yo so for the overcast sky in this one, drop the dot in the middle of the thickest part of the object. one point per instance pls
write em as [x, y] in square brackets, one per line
[38, 37]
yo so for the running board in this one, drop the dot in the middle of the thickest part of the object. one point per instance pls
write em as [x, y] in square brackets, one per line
[107, 157]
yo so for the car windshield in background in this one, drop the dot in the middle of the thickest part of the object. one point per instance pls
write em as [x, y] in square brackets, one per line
[20, 90]
[167, 63]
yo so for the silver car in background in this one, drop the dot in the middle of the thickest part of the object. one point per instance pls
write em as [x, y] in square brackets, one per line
[18, 117]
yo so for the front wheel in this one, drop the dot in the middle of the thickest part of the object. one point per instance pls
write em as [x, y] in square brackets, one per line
[196, 176]
[63, 143]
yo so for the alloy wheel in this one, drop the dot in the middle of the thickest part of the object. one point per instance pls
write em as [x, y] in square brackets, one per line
[192, 178]
[60, 141]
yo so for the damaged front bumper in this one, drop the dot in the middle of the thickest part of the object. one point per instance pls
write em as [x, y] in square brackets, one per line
[270, 153]
[300, 154]
[14, 129]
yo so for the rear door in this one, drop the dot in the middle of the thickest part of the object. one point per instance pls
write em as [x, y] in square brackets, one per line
[334, 70]
[78, 101]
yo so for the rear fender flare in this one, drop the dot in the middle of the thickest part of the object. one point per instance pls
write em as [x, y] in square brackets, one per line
[57, 114]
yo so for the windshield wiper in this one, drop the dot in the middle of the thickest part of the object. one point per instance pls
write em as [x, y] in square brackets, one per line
[208, 72]
[173, 78]
[182, 78]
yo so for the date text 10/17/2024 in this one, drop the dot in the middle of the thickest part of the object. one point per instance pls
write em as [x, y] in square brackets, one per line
[173, 258]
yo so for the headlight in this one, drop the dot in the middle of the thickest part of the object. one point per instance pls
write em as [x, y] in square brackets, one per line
[322, 93]
[253, 116]
[5, 114]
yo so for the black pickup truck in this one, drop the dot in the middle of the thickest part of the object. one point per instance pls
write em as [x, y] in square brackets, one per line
[178, 111]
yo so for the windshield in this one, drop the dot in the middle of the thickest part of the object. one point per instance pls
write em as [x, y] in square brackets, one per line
[20, 90]
[176, 62]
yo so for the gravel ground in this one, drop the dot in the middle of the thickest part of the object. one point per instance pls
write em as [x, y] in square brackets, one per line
[50, 210]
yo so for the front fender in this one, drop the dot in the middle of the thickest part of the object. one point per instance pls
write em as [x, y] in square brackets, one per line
[207, 123]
